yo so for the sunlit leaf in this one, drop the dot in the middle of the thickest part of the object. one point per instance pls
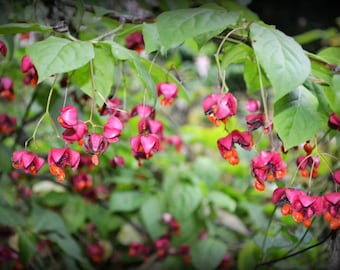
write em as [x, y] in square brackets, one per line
[58, 55]
[281, 57]
[331, 54]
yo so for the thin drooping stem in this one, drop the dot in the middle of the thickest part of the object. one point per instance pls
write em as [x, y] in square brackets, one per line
[47, 113]
[221, 74]
[265, 106]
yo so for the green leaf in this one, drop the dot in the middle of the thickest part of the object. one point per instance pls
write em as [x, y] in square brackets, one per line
[54, 198]
[173, 262]
[103, 71]
[252, 77]
[221, 199]
[183, 200]
[281, 57]
[206, 169]
[58, 55]
[235, 54]
[193, 22]
[331, 54]
[5, 158]
[334, 94]
[15, 28]
[104, 220]
[248, 256]
[135, 61]
[126, 201]
[207, 254]
[27, 247]
[10, 217]
[296, 117]
[151, 37]
[44, 220]
[151, 213]
[74, 213]
[324, 104]
[70, 247]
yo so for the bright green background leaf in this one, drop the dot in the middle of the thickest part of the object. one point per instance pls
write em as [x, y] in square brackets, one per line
[126, 201]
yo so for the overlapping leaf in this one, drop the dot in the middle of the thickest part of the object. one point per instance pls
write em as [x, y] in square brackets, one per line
[174, 27]
[58, 55]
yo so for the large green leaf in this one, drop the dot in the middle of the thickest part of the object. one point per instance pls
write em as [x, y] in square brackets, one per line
[281, 57]
[183, 200]
[296, 117]
[208, 253]
[103, 71]
[14, 28]
[58, 55]
[126, 201]
[151, 213]
[174, 27]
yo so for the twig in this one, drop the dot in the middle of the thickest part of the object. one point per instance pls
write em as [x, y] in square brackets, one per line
[295, 253]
